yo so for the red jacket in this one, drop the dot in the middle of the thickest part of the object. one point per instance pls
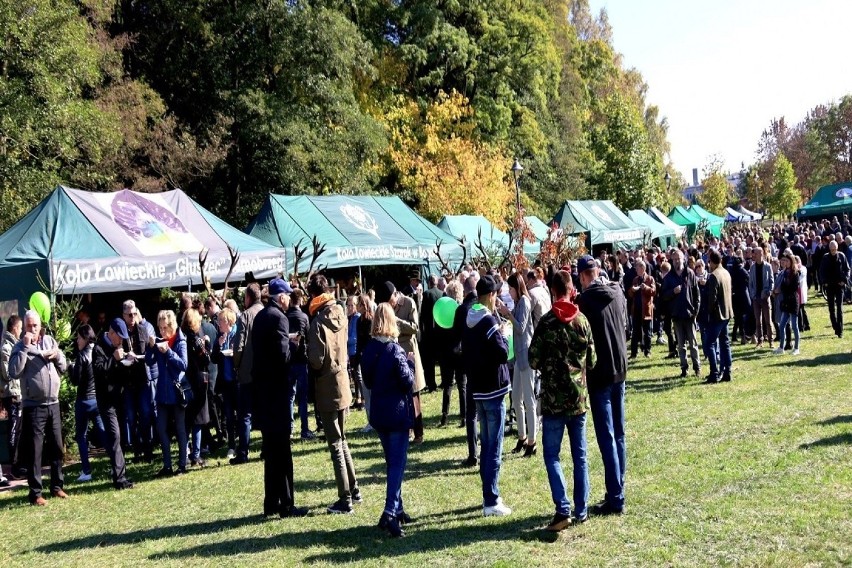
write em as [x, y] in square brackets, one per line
[648, 291]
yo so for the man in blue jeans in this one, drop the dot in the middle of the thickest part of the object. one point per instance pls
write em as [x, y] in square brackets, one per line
[604, 306]
[562, 350]
[485, 354]
[719, 313]
[299, 363]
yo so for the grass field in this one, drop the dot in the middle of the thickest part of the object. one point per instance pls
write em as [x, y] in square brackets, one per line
[755, 472]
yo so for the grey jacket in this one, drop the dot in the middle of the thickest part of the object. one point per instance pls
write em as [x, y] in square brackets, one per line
[9, 387]
[39, 377]
[243, 351]
[768, 281]
[522, 332]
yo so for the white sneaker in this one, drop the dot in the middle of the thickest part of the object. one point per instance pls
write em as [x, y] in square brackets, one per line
[498, 510]
[779, 351]
[795, 351]
[231, 454]
[85, 477]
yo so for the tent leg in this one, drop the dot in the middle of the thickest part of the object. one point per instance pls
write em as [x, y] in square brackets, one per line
[361, 281]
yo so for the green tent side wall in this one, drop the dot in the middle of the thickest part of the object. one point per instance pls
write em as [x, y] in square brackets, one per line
[828, 201]
[715, 223]
[603, 223]
[665, 235]
[684, 218]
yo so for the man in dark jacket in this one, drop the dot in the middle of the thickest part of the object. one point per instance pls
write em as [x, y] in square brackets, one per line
[604, 306]
[270, 339]
[834, 275]
[680, 290]
[470, 417]
[428, 332]
[741, 300]
[719, 313]
[486, 355]
[139, 406]
[299, 324]
[243, 358]
[110, 363]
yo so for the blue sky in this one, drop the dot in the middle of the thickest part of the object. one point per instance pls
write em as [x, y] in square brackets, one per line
[721, 70]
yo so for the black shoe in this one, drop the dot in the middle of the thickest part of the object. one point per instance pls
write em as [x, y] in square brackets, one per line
[580, 520]
[604, 509]
[559, 523]
[404, 519]
[462, 423]
[470, 462]
[671, 355]
[711, 379]
[126, 484]
[18, 473]
[181, 471]
[5, 482]
[294, 512]
[357, 497]
[683, 373]
[238, 460]
[519, 446]
[340, 507]
[529, 451]
[165, 472]
[391, 526]
[443, 420]
[726, 378]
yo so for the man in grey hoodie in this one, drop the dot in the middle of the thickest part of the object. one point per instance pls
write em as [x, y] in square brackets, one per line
[38, 363]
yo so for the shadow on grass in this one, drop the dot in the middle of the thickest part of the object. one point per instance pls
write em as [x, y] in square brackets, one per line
[368, 542]
[658, 385]
[838, 440]
[841, 419]
[162, 532]
[818, 361]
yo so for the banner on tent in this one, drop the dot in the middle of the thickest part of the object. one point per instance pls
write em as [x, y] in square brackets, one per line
[92, 276]
[617, 236]
[391, 253]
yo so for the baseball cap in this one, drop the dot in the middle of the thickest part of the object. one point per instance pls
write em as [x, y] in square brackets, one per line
[585, 262]
[486, 285]
[279, 286]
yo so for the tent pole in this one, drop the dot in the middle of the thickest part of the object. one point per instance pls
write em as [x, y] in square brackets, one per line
[361, 280]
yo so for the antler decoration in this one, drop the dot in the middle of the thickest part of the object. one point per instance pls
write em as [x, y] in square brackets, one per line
[234, 256]
[317, 249]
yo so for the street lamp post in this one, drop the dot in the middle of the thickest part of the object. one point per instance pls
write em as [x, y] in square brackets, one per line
[668, 178]
[517, 168]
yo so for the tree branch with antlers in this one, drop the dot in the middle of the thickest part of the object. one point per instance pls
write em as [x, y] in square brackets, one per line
[317, 249]
[234, 259]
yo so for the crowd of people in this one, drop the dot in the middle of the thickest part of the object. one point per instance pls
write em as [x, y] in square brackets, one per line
[208, 375]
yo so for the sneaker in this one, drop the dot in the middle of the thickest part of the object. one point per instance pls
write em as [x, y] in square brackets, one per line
[340, 507]
[470, 462]
[580, 520]
[84, 477]
[560, 522]
[165, 472]
[4, 482]
[391, 525]
[238, 460]
[357, 497]
[795, 351]
[604, 509]
[231, 454]
[126, 484]
[498, 510]
[308, 435]
[294, 512]
[779, 351]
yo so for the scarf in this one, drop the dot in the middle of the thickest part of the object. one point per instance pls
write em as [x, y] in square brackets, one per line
[320, 301]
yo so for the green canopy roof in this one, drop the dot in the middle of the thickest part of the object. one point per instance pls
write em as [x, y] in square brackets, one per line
[658, 215]
[664, 234]
[85, 242]
[356, 230]
[684, 218]
[714, 222]
[828, 201]
[471, 226]
[602, 221]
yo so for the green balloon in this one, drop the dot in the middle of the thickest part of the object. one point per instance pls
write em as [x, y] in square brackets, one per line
[40, 303]
[444, 312]
[63, 331]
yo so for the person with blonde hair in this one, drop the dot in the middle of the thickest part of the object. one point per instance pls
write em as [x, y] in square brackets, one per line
[198, 361]
[450, 362]
[226, 321]
[389, 374]
[168, 352]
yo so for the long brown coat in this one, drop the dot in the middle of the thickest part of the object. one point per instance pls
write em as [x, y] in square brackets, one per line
[408, 321]
[328, 356]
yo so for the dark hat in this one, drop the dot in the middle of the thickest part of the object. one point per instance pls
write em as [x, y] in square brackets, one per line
[279, 286]
[414, 274]
[384, 292]
[486, 285]
[118, 326]
[585, 263]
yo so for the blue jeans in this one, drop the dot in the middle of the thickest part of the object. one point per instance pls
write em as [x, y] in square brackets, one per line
[395, 446]
[229, 406]
[139, 416]
[608, 416]
[793, 319]
[718, 332]
[299, 391]
[195, 442]
[172, 413]
[86, 411]
[491, 415]
[552, 428]
[244, 406]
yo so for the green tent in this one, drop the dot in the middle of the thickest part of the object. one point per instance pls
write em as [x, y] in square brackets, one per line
[663, 234]
[356, 231]
[471, 226]
[828, 201]
[715, 223]
[81, 242]
[684, 218]
[602, 222]
[658, 215]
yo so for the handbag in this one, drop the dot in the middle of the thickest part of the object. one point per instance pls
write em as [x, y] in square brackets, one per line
[184, 392]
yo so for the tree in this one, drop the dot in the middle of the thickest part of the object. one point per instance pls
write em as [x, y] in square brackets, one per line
[784, 198]
[717, 191]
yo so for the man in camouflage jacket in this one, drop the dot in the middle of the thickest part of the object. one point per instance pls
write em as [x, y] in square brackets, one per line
[562, 350]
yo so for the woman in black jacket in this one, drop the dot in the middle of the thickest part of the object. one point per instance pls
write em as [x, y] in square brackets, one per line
[198, 359]
[86, 406]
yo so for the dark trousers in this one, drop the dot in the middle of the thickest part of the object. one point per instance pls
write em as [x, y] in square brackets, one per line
[762, 319]
[834, 294]
[229, 411]
[418, 416]
[641, 332]
[471, 426]
[277, 472]
[139, 418]
[42, 431]
[804, 323]
[109, 415]
[670, 339]
[244, 414]
[13, 408]
[451, 372]
[213, 401]
[427, 356]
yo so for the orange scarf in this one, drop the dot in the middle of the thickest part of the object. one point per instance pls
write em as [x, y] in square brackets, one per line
[320, 301]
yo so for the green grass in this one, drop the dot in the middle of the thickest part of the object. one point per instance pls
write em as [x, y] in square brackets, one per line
[755, 472]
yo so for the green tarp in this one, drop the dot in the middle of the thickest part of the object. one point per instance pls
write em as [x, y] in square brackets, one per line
[715, 223]
[602, 222]
[828, 201]
[684, 218]
[664, 235]
[471, 226]
[81, 242]
[658, 215]
[537, 226]
[356, 231]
